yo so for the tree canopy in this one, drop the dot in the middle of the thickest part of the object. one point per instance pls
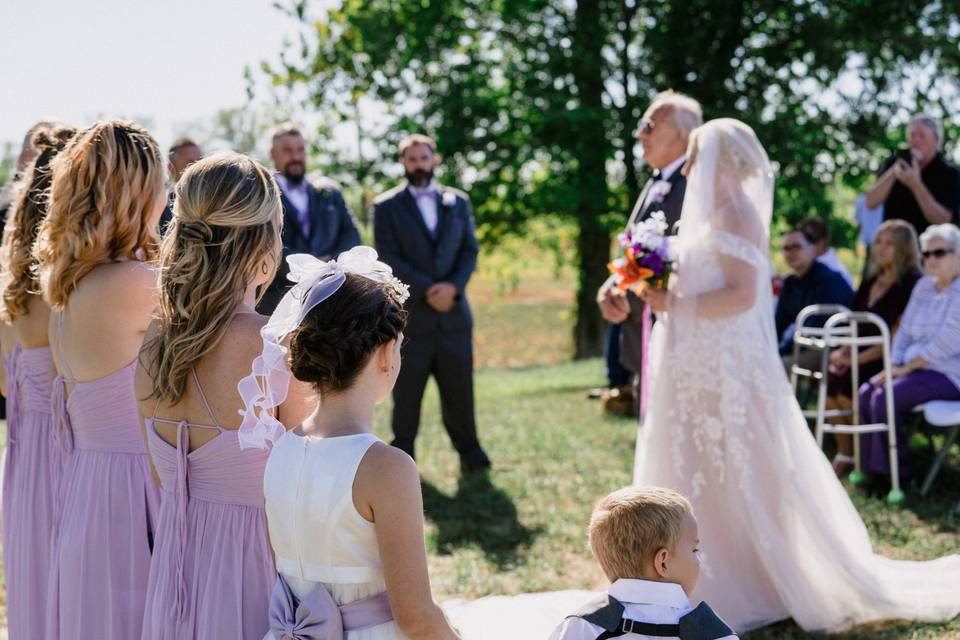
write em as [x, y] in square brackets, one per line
[534, 102]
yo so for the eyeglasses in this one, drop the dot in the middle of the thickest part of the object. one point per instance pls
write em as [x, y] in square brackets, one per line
[646, 128]
[790, 248]
[935, 253]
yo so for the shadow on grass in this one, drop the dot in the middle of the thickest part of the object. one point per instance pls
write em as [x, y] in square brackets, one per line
[788, 630]
[479, 514]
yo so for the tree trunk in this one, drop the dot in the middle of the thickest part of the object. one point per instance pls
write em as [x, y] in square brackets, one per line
[592, 150]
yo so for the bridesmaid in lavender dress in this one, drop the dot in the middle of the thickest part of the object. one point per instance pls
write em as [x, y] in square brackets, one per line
[106, 198]
[212, 570]
[32, 464]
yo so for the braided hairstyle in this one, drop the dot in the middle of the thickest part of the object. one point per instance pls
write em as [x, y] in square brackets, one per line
[17, 260]
[337, 337]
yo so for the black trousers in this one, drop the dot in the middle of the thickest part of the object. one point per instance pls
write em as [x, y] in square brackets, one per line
[448, 356]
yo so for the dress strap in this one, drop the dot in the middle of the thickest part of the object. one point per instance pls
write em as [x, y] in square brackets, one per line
[61, 354]
[181, 493]
[203, 398]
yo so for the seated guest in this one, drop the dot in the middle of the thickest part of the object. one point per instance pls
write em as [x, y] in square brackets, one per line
[817, 229]
[811, 282]
[893, 270]
[183, 153]
[645, 539]
[926, 349]
[917, 184]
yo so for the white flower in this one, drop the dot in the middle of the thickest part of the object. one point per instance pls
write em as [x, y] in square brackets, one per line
[448, 198]
[660, 190]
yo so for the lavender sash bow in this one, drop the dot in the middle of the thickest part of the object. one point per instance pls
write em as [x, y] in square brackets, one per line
[317, 617]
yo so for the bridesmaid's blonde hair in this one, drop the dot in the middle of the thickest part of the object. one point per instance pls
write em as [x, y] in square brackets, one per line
[106, 183]
[17, 260]
[631, 524]
[226, 225]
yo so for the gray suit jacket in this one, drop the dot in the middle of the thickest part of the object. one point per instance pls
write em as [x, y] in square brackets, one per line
[631, 337]
[403, 242]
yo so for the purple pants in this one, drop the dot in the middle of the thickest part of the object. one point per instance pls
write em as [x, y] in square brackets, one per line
[908, 392]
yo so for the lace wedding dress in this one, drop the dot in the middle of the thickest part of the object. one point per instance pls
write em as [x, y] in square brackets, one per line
[780, 537]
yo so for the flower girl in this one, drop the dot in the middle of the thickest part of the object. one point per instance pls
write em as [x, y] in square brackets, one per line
[344, 510]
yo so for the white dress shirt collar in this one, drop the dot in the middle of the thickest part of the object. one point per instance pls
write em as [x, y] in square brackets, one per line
[667, 172]
[666, 594]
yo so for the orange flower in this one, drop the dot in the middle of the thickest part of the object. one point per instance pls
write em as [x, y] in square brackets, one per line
[633, 277]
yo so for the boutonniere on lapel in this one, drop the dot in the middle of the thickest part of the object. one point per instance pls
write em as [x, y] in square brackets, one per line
[660, 190]
[448, 199]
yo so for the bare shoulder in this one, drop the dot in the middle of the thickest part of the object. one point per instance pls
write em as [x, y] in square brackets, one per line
[388, 468]
[128, 283]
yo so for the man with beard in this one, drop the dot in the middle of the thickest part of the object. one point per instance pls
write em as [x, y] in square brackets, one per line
[425, 232]
[315, 216]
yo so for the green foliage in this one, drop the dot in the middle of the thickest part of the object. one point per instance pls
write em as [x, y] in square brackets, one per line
[533, 102]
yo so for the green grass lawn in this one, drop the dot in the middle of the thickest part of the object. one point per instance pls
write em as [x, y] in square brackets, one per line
[554, 455]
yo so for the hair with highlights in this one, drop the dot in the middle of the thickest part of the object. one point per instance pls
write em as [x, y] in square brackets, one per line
[227, 219]
[107, 183]
[17, 260]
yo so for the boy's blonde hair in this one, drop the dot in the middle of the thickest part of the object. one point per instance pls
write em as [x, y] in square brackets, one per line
[629, 525]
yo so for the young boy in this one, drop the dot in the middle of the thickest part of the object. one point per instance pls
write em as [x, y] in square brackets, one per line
[645, 539]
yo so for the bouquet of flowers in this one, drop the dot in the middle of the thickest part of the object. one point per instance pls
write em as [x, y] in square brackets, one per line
[645, 261]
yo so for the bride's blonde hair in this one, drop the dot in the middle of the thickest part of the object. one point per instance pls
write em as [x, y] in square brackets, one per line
[105, 185]
[226, 225]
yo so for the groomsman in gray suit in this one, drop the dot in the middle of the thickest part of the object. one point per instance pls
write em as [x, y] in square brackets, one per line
[315, 216]
[425, 232]
[663, 134]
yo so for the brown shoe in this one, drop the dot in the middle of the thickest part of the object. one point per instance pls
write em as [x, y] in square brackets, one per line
[619, 401]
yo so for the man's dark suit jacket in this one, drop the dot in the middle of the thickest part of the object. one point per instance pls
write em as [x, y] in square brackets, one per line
[332, 231]
[403, 242]
[631, 336]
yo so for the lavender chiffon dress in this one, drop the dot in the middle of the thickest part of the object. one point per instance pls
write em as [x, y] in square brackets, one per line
[109, 501]
[212, 570]
[29, 480]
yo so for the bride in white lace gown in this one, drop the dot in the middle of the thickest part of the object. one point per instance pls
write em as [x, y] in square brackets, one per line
[780, 537]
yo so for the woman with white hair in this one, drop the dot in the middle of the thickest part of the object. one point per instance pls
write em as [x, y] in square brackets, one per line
[917, 184]
[926, 349]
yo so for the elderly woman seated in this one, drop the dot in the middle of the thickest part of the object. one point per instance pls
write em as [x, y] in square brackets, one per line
[926, 348]
[892, 272]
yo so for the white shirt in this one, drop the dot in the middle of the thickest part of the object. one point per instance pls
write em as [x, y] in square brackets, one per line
[667, 172]
[832, 261]
[643, 600]
[426, 199]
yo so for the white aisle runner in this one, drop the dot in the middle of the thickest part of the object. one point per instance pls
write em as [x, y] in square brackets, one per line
[528, 616]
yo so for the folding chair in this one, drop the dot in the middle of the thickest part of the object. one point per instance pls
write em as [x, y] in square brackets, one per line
[943, 415]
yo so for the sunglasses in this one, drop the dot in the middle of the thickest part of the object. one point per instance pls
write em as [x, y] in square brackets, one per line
[936, 253]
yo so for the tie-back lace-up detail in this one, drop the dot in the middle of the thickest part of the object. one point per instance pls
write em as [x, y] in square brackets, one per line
[211, 533]
[108, 506]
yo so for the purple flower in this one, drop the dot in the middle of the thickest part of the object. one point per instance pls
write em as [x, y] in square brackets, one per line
[652, 261]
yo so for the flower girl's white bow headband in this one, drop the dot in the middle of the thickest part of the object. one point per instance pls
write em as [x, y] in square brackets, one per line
[315, 281]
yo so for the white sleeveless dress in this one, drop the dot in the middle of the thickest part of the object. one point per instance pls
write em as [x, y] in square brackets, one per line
[316, 533]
